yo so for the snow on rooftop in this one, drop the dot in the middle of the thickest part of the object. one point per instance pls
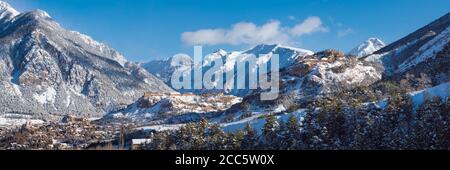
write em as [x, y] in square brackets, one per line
[140, 141]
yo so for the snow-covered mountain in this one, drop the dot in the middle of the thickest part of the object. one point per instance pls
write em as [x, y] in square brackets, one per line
[7, 12]
[163, 68]
[47, 71]
[426, 50]
[367, 47]
[314, 76]
[287, 55]
[307, 78]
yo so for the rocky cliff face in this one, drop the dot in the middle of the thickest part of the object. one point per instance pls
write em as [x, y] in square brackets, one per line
[47, 71]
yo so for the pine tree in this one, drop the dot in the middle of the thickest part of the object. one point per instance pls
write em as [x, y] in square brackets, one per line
[444, 125]
[424, 81]
[313, 133]
[367, 134]
[407, 84]
[331, 118]
[216, 139]
[269, 132]
[200, 134]
[203, 124]
[431, 128]
[234, 140]
[189, 137]
[292, 137]
[250, 138]
[396, 124]
[159, 142]
[282, 132]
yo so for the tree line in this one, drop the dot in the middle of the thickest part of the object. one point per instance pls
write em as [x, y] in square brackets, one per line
[329, 124]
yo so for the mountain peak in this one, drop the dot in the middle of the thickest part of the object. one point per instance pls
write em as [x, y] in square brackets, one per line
[7, 11]
[268, 48]
[221, 52]
[376, 41]
[263, 48]
[39, 14]
[368, 47]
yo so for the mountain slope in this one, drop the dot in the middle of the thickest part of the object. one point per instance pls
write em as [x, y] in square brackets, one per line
[47, 71]
[425, 50]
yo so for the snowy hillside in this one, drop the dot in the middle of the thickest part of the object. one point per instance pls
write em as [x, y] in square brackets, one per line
[425, 50]
[156, 107]
[314, 76]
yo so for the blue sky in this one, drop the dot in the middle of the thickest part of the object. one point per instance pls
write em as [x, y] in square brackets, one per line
[144, 30]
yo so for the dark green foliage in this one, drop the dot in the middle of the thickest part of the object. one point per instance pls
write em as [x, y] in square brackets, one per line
[250, 138]
[330, 123]
[269, 132]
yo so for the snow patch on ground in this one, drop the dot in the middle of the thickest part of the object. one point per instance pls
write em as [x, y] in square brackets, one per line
[257, 123]
[163, 127]
[419, 97]
[48, 96]
[14, 122]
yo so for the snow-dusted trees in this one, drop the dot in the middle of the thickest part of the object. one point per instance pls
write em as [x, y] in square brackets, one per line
[269, 133]
[289, 134]
[432, 127]
[216, 138]
[411, 82]
[396, 122]
[250, 138]
[331, 123]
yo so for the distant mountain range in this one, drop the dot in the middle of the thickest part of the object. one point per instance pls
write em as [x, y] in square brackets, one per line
[287, 55]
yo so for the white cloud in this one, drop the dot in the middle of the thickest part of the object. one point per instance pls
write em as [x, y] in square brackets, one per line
[250, 33]
[206, 36]
[344, 32]
[292, 17]
[309, 26]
